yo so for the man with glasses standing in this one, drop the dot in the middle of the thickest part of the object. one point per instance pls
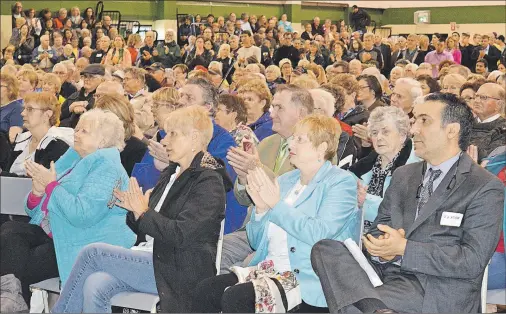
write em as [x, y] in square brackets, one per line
[82, 100]
[489, 130]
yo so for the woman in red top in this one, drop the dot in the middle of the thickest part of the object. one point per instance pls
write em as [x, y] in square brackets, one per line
[59, 22]
[134, 40]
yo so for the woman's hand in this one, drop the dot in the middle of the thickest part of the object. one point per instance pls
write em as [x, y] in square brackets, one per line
[133, 199]
[268, 191]
[41, 175]
[252, 188]
[158, 151]
[361, 193]
[472, 151]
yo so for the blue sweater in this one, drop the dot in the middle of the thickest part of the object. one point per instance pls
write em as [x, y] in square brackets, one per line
[81, 208]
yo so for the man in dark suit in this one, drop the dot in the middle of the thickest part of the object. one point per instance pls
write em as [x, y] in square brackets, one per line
[386, 53]
[359, 19]
[436, 229]
[316, 27]
[487, 52]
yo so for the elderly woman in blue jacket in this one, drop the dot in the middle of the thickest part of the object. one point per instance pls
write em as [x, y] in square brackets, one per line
[72, 204]
[388, 130]
[317, 201]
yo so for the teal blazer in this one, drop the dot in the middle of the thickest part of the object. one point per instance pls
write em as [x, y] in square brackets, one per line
[81, 207]
[326, 209]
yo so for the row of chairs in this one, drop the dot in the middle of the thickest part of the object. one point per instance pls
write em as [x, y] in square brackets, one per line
[18, 188]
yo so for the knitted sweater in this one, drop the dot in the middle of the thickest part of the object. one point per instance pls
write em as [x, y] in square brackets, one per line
[82, 206]
[488, 136]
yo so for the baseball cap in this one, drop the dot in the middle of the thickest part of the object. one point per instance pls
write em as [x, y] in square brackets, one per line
[156, 66]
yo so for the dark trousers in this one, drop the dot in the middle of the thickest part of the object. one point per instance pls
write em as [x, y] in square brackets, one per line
[27, 253]
[346, 285]
[210, 296]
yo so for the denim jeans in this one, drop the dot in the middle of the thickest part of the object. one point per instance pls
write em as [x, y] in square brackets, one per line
[497, 272]
[102, 271]
[236, 249]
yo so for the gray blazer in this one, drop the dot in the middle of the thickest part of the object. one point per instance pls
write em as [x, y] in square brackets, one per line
[448, 261]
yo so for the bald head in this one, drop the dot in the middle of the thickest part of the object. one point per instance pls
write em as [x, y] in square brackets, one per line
[110, 87]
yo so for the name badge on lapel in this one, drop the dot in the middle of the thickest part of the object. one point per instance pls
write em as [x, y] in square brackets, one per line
[451, 219]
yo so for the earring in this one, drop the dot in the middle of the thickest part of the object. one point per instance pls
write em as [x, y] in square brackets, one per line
[193, 150]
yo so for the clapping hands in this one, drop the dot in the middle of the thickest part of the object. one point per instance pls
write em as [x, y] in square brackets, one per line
[41, 176]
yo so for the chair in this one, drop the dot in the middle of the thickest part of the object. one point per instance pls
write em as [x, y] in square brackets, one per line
[133, 300]
[17, 189]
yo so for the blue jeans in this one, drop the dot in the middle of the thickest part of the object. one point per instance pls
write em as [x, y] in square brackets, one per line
[102, 271]
[497, 272]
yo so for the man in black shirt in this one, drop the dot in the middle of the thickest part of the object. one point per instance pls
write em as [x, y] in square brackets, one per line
[287, 51]
[184, 32]
[316, 28]
[103, 43]
[369, 53]
[146, 52]
[467, 50]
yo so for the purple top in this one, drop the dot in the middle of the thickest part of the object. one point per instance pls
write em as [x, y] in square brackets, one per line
[435, 59]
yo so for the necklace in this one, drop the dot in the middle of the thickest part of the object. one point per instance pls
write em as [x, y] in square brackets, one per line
[298, 188]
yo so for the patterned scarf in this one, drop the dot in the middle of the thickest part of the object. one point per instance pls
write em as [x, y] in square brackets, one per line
[379, 175]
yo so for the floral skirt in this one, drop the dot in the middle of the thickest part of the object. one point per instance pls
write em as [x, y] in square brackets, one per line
[275, 292]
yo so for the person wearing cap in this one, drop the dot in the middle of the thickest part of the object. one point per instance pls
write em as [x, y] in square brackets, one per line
[157, 71]
[82, 100]
[168, 52]
[118, 76]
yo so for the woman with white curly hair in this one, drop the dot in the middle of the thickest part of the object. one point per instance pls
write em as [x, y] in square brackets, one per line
[71, 205]
[388, 129]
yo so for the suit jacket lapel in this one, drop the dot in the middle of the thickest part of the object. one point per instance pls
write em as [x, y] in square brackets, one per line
[410, 208]
[268, 156]
[442, 193]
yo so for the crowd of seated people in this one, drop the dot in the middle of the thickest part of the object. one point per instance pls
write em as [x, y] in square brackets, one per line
[138, 149]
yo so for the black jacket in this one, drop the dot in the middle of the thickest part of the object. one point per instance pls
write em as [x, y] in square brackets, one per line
[70, 119]
[97, 56]
[492, 56]
[365, 164]
[67, 89]
[192, 60]
[467, 61]
[488, 136]
[317, 30]
[186, 229]
[289, 52]
[132, 153]
[358, 115]
[359, 20]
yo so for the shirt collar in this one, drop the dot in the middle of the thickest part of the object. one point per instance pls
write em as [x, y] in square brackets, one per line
[444, 166]
[491, 119]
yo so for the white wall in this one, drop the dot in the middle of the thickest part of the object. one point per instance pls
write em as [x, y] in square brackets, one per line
[6, 27]
[445, 28]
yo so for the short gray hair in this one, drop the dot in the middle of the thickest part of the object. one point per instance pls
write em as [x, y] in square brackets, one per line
[391, 113]
[111, 128]
[414, 86]
[324, 100]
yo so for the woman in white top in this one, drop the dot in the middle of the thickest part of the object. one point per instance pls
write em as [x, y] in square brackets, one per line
[317, 201]
[44, 141]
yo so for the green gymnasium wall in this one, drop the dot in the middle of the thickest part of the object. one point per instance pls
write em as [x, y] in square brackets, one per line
[157, 10]
[445, 15]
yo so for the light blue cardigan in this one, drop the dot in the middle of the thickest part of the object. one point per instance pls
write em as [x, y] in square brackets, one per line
[80, 210]
[372, 202]
[326, 209]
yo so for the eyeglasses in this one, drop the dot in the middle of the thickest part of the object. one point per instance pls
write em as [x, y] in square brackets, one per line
[467, 99]
[484, 97]
[364, 87]
[32, 109]
[299, 139]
